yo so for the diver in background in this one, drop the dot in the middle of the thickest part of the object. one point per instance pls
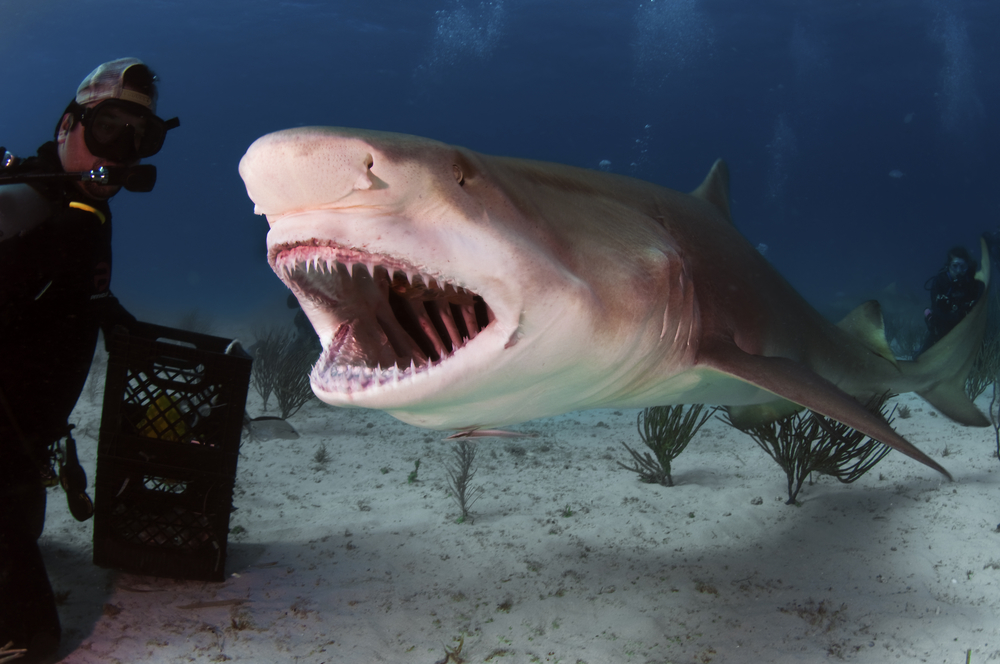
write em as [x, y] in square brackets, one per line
[954, 291]
[55, 277]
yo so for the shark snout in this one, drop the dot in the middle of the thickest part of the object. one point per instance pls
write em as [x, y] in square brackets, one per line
[306, 168]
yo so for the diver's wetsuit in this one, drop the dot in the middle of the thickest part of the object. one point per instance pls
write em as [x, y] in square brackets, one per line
[55, 274]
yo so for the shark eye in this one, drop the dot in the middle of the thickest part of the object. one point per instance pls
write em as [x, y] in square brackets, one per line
[459, 178]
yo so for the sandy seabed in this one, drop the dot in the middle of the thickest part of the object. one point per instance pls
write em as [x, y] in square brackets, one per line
[569, 558]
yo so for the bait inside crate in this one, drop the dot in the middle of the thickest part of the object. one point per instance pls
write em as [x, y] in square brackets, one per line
[173, 413]
[174, 397]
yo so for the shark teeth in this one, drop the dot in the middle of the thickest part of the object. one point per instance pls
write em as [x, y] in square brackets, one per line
[347, 378]
[391, 321]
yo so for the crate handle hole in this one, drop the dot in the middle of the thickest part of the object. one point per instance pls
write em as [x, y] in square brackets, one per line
[164, 484]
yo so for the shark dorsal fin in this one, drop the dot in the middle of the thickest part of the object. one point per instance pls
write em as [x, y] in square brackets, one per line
[715, 188]
[866, 325]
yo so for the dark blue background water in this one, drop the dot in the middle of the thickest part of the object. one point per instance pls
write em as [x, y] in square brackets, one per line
[813, 104]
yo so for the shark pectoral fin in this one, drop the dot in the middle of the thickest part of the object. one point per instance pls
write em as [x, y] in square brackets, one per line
[866, 325]
[792, 381]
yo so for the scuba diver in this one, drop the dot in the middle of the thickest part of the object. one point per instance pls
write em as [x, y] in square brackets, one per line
[954, 291]
[55, 277]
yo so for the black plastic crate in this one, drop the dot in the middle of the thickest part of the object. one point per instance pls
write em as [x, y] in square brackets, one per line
[161, 521]
[174, 403]
[174, 397]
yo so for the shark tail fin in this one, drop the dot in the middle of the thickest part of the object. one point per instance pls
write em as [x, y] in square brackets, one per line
[952, 357]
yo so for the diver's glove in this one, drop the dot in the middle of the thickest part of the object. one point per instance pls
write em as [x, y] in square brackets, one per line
[114, 317]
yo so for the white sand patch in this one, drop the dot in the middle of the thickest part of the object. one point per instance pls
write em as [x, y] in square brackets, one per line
[569, 559]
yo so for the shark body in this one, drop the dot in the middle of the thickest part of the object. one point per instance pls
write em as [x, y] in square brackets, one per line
[461, 291]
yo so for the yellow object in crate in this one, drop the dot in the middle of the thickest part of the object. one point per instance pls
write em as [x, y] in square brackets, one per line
[164, 419]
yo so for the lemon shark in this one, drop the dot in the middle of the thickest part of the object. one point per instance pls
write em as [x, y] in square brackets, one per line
[456, 290]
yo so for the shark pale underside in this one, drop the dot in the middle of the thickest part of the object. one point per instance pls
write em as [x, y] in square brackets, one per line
[461, 291]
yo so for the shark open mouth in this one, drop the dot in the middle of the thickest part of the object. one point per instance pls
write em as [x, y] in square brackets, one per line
[389, 320]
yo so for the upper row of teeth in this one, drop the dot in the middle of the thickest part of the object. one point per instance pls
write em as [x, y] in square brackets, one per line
[327, 265]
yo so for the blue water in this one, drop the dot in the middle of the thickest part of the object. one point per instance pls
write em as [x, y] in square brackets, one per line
[862, 137]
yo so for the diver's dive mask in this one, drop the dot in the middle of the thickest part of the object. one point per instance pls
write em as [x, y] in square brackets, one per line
[122, 131]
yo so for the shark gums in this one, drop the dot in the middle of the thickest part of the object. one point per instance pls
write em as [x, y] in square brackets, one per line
[456, 290]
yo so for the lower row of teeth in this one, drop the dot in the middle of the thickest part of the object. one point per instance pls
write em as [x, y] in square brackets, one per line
[357, 376]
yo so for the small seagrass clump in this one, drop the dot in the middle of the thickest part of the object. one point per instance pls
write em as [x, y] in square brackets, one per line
[666, 430]
[281, 364]
[460, 473]
[805, 443]
[322, 456]
[266, 352]
[292, 388]
[986, 367]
